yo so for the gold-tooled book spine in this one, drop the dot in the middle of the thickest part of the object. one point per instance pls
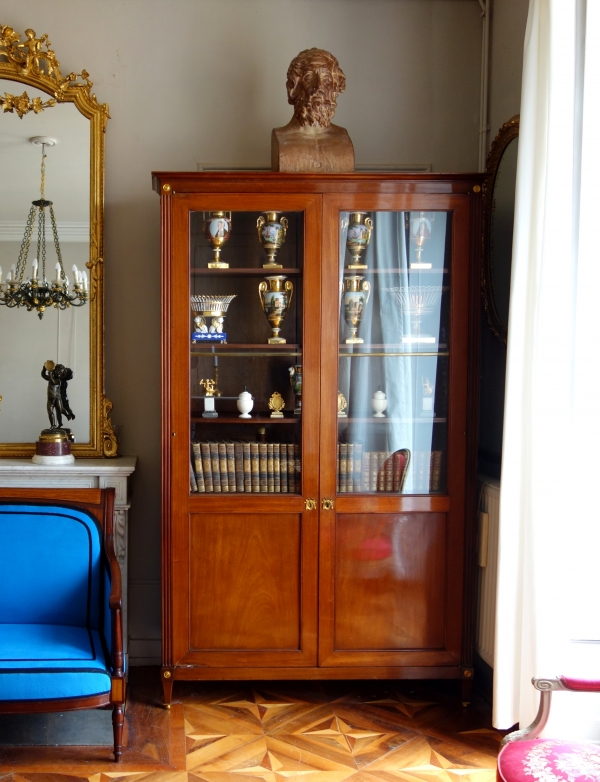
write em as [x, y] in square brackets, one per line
[206, 466]
[357, 474]
[350, 468]
[283, 468]
[223, 466]
[343, 468]
[255, 467]
[270, 469]
[198, 467]
[239, 467]
[389, 472]
[435, 474]
[297, 469]
[380, 470]
[247, 468]
[374, 469]
[193, 484]
[276, 468]
[216, 472]
[291, 469]
[366, 471]
[262, 467]
[230, 450]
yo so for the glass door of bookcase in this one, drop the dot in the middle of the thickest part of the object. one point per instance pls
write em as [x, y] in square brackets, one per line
[247, 317]
[394, 282]
[394, 500]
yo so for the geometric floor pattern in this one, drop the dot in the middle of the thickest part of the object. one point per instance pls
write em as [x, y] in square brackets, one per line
[280, 732]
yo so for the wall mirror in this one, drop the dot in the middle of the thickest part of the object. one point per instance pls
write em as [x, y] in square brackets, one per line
[36, 100]
[499, 211]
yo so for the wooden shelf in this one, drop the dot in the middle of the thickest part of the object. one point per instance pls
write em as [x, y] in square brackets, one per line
[394, 270]
[386, 420]
[241, 272]
[234, 419]
[392, 353]
[244, 349]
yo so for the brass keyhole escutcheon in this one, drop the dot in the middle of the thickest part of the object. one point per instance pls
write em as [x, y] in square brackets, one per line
[327, 504]
[310, 504]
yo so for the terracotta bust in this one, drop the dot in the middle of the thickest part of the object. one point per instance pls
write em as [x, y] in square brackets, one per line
[310, 142]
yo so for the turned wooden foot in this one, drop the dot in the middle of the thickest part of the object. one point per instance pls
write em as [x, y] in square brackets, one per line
[118, 720]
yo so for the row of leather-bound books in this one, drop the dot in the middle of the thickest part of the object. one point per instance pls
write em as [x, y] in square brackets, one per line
[371, 471]
[386, 471]
[252, 468]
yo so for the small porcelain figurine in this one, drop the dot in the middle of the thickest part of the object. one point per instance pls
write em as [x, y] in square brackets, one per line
[245, 403]
[427, 399]
[379, 403]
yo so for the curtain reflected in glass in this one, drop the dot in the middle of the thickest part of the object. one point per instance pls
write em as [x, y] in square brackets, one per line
[393, 364]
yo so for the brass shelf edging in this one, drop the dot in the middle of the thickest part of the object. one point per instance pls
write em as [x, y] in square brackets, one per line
[250, 353]
[361, 355]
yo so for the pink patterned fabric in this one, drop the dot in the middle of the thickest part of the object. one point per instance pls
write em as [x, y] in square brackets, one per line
[549, 760]
[581, 685]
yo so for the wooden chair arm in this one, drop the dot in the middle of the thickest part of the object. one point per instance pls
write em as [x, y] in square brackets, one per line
[115, 598]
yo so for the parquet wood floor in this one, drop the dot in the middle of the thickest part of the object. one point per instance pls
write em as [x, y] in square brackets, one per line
[280, 732]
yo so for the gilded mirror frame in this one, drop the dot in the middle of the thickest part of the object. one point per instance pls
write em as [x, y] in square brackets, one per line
[33, 63]
[506, 134]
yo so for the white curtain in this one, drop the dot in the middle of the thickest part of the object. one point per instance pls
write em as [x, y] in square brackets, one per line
[549, 553]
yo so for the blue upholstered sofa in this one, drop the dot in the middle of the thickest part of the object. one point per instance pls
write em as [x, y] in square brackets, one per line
[61, 644]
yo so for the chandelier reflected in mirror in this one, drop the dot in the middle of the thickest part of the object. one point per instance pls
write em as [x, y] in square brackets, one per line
[37, 292]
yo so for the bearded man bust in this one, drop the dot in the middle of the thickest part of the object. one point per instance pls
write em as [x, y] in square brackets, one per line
[310, 142]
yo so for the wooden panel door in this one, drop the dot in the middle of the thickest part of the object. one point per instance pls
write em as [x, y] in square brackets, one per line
[395, 320]
[241, 586]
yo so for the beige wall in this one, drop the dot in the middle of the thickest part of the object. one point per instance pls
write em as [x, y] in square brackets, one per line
[203, 81]
[509, 18]
[508, 21]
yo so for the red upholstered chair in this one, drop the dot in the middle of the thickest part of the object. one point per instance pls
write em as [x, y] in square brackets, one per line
[526, 758]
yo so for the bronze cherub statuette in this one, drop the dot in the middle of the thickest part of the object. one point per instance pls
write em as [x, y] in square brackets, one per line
[57, 376]
[310, 142]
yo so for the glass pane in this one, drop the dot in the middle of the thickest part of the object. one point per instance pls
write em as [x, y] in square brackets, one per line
[246, 351]
[393, 356]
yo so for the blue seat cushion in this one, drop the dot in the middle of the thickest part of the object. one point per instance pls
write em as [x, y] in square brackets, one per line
[44, 662]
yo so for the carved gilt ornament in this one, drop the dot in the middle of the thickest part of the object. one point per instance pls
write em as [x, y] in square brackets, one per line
[31, 62]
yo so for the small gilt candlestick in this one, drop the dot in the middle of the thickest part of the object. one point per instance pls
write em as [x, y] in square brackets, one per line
[276, 404]
[209, 399]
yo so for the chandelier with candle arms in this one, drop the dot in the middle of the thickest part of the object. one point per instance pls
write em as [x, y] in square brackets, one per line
[37, 292]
